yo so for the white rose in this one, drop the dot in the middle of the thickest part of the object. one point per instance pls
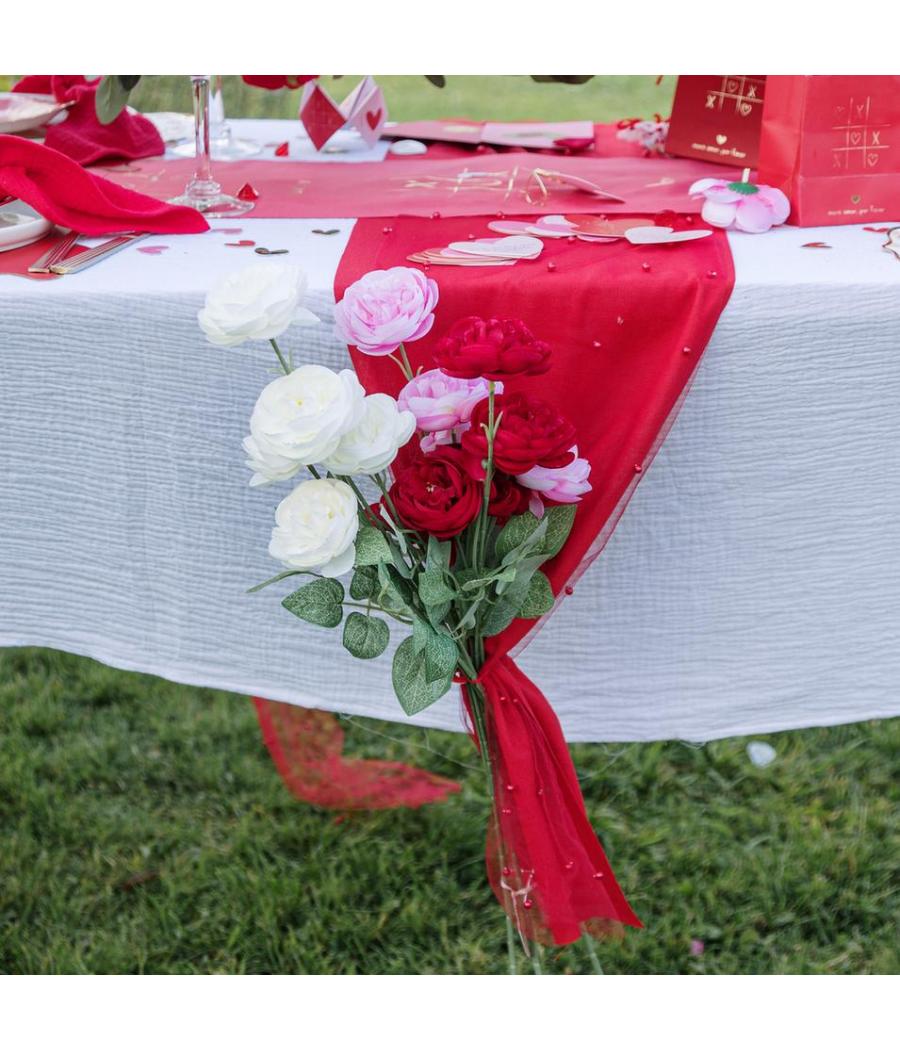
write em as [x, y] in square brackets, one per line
[299, 419]
[259, 302]
[371, 446]
[315, 527]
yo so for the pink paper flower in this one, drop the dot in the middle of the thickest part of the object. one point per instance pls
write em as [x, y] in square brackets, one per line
[743, 205]
[558, 484]
[385, 308]
[442, 405]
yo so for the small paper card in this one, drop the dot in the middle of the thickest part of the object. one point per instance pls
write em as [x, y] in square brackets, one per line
[363, 109]
[717, 119]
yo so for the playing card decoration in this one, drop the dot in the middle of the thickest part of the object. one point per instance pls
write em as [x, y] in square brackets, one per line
[363, 109]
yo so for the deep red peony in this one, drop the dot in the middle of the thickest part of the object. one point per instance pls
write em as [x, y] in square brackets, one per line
[494, 348]
[508, 498]
[435, 493]
[531, 433]
[274, 83]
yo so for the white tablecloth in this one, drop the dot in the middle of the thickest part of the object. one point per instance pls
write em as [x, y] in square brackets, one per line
[752, 585]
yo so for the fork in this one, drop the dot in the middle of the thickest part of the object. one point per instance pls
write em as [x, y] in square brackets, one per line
[54, 255]
[88, 258]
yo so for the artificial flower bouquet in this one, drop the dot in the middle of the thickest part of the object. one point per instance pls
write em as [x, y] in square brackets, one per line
[433, 512]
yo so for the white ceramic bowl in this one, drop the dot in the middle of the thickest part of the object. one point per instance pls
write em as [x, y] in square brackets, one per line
[20, 224]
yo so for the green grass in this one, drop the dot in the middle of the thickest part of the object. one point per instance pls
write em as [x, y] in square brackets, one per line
[143, 827]
[108, 778]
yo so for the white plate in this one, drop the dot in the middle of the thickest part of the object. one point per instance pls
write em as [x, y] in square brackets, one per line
[20, 112]
[20, 224]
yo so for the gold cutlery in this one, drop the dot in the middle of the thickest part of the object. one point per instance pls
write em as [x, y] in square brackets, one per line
[94, 255]
[54, 255]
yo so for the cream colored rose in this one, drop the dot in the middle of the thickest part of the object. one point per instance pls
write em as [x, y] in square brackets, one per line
[259, 302]
[315, 527]
[371, 446]
[300, 419]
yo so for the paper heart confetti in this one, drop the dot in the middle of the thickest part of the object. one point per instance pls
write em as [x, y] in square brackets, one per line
[326, 233]
[239, 244]
[282, 149]
[247, 193]
[232, 231]
[153, 249]
[663, 235]
[500, 247]
[815, 244]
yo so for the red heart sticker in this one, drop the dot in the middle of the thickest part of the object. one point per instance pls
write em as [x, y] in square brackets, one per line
[372, 119]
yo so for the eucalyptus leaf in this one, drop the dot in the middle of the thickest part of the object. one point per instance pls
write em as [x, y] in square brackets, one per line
[371, 546]
[438, 555]
[365, 636]
[539, 599]
[318, 602]
[364, 583]
[433, 590]
[110, 99]
[524, 534]
[413, 691]
[440, 657]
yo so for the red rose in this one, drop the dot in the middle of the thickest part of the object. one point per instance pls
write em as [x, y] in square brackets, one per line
[493, 348]
[508, 498]
[434, 493]
[531, 433]
[273, 83]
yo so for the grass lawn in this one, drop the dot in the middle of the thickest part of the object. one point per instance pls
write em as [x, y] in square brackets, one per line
[143, 827]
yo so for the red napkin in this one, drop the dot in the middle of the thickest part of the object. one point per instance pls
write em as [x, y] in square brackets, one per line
[62, 191]
[81, 136]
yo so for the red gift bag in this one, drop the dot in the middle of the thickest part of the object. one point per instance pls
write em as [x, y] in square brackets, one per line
[717, 119]
[832, 144]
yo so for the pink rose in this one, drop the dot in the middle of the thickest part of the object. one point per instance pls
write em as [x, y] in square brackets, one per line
[743, 205]
[385, 308]
[558, 484]
[442, 405]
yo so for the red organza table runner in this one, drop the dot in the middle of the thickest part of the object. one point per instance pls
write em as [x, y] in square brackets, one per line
[627, 326]
[471, 184]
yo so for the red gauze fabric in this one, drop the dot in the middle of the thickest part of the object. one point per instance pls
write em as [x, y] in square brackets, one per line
[307, 745]
[63, 192]
[627, 326]
[81, 136]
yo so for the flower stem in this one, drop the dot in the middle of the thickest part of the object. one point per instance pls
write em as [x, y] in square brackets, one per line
[592, 952]
[286, 368]
[402, 362]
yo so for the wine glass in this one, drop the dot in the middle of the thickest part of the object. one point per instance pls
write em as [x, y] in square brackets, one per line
[223, 145]
[202, 191]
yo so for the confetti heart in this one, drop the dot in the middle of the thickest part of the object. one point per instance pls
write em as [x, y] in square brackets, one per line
[501, 247]
[154, 249]
[282, 150]
[815, 244]
[326, 233]
[247, 193]
[232, 231]
[663, 235]
[239, 244]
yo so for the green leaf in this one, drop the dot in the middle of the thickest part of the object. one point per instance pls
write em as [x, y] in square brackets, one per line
[518, 535]
[413, 691]
[438, 555]
[433, 590]
[398, 590]
[539, 599]
[111, 99]
[440, 657]
[364, 583]
[317, 602]
[371, 546]
[365, 636]
[559, 526]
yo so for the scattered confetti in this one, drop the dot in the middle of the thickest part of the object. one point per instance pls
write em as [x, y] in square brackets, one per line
[282, 149]
[247, 193]
[877, 229]
[231, 230]
[271, 251]
[239, 244]
[815, 244]
[326, 233]
[154, 249]
[760, 754]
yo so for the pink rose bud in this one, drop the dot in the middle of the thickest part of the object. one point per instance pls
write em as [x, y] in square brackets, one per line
[559, 484]
[442, 404]
[385, 308]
